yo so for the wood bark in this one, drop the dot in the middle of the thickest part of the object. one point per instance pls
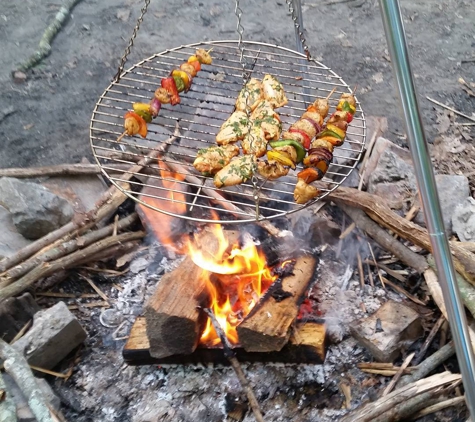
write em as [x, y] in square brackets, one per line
[307, 344]
[375, 207]
[268, 327]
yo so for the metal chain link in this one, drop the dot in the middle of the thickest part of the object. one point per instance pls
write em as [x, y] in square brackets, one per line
[300, 32]
[128, 49]
[246, 76]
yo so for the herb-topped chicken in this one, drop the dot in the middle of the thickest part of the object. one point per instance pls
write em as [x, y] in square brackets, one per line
[274, 91]
[250, 95]
[238, 171]
[234, 129]
[210, 160]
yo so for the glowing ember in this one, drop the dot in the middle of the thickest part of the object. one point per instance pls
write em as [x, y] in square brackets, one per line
[236, 278]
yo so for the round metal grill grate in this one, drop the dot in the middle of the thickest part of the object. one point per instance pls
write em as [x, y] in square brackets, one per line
[203, 109]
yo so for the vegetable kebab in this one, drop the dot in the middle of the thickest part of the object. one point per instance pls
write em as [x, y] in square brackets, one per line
[320, 154]
[180, 80]
[291, 150]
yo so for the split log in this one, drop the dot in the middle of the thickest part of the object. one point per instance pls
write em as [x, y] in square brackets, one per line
[268, 326]
[375, 207]
[372, 410]
[174, 322]
[307, 344]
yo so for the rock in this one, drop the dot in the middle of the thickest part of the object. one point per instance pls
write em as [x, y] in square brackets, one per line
[463, 220]
[54, 334]
[15, 312]
[10, 241]
[393, 327]
[19, 77]
[35, 210]
[453, 191]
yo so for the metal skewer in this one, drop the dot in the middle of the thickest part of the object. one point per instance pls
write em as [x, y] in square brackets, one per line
[396, 39]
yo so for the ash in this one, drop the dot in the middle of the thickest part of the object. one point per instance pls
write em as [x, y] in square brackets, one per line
[104, 388]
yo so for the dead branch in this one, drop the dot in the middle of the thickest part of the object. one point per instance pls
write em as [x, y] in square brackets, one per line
[372, 410]
[107, 204]
[76, 169]
[64, 249]
[7, 405]
[441, 405]
[48, 268]
[429, 339]
[375, 207]
[44, 47]
[228, 352]
[384, 239]
[17, 367]
[398, 374]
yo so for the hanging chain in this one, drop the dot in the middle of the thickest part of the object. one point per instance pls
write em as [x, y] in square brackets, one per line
[246, 76]
[131, 42]
[299, 30]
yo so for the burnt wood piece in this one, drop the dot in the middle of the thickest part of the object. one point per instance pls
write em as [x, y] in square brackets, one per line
[174, 322]
[268, 327]
[306, 345]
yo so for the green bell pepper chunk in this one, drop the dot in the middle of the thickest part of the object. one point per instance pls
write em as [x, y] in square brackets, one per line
[297, 145]
[180, 83]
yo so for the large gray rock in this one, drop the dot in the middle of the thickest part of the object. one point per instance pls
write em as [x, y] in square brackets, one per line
[463, 220]
[10, 240]
[35, 210]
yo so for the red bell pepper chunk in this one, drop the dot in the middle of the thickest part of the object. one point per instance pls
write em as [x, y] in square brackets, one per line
[170, 85]
[142, 123]
[306, 138]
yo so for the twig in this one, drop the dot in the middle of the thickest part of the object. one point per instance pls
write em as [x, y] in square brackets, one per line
[48, 372]
[390, 271]
[96, 289]
[398, 374]
[45, 269]
[380, 276]
[360, 268]
[451, 109]
[229, 354]
[44, 47]
[372, 410]
[76, 169]
[63, 249]
[370, 276]
[347, 231]
[392, 245]
[437, 407]
[403, 291]
[7, 405]
[429, 339]
[22, 332]
[16, 365]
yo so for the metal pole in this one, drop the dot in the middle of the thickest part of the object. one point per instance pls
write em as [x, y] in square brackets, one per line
[297, 5]
[396, 39]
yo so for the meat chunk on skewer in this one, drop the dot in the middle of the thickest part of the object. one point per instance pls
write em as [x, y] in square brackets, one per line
[304, 192]
[250, 95]
[238, 171]
[265, 116]
[210, 160]
[255, 142]
[234, 129]
[272, 169]
[274, 91]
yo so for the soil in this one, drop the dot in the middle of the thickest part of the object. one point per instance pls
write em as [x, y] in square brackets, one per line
[51, 110]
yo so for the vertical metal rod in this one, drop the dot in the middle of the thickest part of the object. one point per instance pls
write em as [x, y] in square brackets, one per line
[396, 39]
[297, 5]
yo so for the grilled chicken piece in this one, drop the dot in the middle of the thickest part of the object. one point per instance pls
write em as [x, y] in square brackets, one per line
[210, 160]
[306, 126]
[295, 136]
[250, 95]
[272, 169]
[255, 142]
[265, 116]
[234, 129]
[304, 192]
[316, 143]
[322, 106]
[274, 91]
[236, 172]
[348, 97]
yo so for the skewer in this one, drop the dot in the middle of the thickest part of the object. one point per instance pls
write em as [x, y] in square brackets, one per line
[121, 136]
[331, 93]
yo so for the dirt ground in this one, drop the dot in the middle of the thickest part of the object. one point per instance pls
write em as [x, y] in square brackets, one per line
[51, 110]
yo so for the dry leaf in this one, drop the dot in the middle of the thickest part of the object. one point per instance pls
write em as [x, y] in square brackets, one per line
[377, 77]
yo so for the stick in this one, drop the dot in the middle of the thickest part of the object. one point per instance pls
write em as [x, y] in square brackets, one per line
[109, 202]
[331, 93]
[76, 169]
[438, 406]
[451, 109]
[403, 291]
[360, 269]
[63, 249]
[17, 367]
[228, 352]
[429, 339]
[384, 404]
[47, 268]
[398, 374]
[383, 238]
[44, 47]
[7, 405]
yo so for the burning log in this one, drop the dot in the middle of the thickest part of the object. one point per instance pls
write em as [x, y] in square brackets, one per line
[174, 323]
[268, 327]
[307, 344]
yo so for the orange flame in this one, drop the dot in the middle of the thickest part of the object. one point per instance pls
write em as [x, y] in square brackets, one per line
[168, 195]
[235, 278]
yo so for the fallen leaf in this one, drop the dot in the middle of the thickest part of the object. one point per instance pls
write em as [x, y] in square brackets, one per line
[377, 77]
